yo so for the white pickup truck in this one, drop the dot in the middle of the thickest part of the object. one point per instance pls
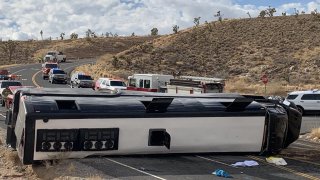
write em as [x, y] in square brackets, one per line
[54, 56]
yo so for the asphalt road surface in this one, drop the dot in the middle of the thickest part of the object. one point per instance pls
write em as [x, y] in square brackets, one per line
[31, 73]
[302, 157]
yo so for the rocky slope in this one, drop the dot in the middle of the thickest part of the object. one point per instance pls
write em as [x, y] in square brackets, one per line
[285, 48]
[31, 51]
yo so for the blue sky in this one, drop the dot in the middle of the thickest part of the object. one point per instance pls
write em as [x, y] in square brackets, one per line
[24, 19]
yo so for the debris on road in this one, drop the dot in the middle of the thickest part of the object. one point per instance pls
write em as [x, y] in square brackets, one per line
[313, 136]
[221, 173]
[246, 163]
[276, 160]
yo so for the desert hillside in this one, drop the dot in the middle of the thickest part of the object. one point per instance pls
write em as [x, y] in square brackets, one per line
[286, 48]
[31, 51]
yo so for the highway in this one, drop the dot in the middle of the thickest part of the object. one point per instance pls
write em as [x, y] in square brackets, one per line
[31, 74]
[302, 157]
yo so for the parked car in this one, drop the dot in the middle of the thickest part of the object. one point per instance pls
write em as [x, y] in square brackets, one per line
[4, 84]
[81, 80]
[4, 74]
[110, 84]
[46, 67]
[307, 102]
[57, 75]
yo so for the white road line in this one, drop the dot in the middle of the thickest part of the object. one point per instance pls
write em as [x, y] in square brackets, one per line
[3, 115]
[219, 162]
[130, 167]
[18, 71]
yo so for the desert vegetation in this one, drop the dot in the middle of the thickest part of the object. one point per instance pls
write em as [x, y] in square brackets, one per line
[17, 52]
[286, 48]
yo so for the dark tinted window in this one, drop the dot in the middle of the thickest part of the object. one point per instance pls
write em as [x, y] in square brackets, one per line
[84, 77]
[6, 84]
[117, 83]
[51, 66]
[308, 97]
[317, 96]
[291, 97]
[58, 72]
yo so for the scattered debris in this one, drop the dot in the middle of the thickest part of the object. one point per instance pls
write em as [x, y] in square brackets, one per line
[221, 173]
[246, 163]
[310, 137]
[276, 160]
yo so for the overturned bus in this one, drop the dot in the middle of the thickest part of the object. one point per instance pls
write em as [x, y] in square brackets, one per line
[48, 124]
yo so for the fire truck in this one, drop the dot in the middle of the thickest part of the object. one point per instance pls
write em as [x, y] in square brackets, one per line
[195, 85]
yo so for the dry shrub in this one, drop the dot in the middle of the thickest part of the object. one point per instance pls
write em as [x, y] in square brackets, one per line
[244, 85]
[276, 89]
[103, 69]
[119, 45]
[95, 177]
[315, 133]
[12, 156]
[239, 86]
[121, 74]
[0, 142]
[103, 59]
[88, 69]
